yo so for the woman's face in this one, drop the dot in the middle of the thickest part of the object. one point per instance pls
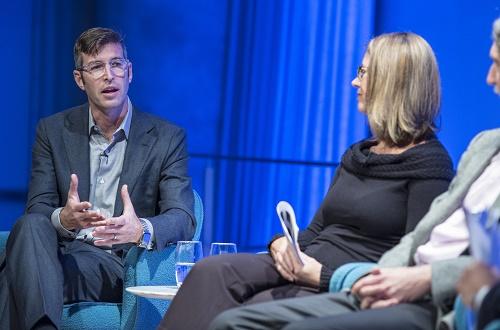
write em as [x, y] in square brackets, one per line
[361, 82]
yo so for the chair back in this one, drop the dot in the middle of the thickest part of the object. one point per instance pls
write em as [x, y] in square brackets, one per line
[198, 215]
[152, 268]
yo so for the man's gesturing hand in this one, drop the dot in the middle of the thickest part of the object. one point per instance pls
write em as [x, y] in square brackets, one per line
[75, 214]
[118, 230]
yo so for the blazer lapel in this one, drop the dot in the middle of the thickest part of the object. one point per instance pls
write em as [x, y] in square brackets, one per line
[76, 141]
[139, 144]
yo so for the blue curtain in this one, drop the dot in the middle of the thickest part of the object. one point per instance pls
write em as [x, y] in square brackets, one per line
[288, 112]
[262, 88]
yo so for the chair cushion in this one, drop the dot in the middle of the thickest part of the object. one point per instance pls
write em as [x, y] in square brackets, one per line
[154, 268]
[91, 315]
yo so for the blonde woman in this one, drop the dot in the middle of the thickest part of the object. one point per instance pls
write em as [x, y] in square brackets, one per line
[382, 188]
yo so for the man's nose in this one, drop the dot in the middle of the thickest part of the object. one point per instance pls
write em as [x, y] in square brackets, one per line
[491, 78]
[108, 73]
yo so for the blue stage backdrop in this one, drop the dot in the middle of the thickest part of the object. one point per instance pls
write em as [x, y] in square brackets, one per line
[288, 110]
[262, 88]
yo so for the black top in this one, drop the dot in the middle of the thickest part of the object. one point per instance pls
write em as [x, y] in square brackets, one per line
[374, 200]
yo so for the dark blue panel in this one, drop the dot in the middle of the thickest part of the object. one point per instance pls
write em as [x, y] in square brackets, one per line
[245, 209]
[10, 211]
[459, 32]
[287, 98]
[15, 33]
[177, 49]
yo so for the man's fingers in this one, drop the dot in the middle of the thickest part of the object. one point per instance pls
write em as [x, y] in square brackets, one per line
[366, 281]
[372, 290]
[109, 222]
[73, 188]
[105, 242]
[81, 207]
[366, 302]
[384, 303]
[86, 218]
[127, 203]
[108, 234]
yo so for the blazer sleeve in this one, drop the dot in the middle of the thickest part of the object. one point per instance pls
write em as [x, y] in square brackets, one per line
[175, 220]
[43, 195]
[445, 275]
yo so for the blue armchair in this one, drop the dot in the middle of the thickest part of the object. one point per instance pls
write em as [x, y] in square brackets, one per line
[141, 268]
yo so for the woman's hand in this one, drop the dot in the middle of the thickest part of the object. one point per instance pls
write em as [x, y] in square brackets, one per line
[309, 273]
[284, 259]
[290, 268]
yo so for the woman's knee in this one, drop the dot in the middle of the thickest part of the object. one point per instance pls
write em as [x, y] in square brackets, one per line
[213, 264]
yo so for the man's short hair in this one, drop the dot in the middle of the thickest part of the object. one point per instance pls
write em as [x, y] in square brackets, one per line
[404, 90]
[496, 32]
[93, 40]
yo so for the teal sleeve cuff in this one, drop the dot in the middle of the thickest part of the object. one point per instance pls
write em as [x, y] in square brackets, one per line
[346, 275]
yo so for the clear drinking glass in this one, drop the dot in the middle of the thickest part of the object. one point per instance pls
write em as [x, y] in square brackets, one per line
[186, 254]
[222, 248]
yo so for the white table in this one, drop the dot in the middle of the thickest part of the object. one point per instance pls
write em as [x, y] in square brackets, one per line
[164, 292]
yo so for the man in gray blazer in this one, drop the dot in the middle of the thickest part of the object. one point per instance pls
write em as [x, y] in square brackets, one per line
[401, 291]
[479, 285]
[105, 176]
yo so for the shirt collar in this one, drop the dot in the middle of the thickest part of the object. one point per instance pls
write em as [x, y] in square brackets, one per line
[125, 125]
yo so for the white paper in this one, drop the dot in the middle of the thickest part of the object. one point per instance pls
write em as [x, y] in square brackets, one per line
[289, 225]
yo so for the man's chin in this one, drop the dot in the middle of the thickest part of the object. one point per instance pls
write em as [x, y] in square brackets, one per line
[111, 104]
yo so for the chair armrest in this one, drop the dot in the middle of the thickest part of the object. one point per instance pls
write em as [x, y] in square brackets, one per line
[152, 268]
[146, 268]
[4, 235]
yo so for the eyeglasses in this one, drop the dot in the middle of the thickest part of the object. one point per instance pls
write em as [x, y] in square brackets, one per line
[97, 69]
[361, 72]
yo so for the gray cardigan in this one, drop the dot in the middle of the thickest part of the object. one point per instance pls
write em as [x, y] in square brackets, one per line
[445, 273]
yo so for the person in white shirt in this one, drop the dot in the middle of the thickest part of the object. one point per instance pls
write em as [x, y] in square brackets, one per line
[479, 285]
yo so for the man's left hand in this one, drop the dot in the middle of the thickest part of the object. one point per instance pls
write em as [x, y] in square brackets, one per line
[126, 228]
[390, 286]
[473, 278]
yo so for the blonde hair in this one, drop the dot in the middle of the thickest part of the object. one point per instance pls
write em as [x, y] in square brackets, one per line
[496, 32]
[403, 94]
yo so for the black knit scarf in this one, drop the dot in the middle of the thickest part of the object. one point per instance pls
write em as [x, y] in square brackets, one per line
[428, 160]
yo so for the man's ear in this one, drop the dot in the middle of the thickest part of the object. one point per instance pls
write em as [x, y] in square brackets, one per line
[130, 73]
[79, 79]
